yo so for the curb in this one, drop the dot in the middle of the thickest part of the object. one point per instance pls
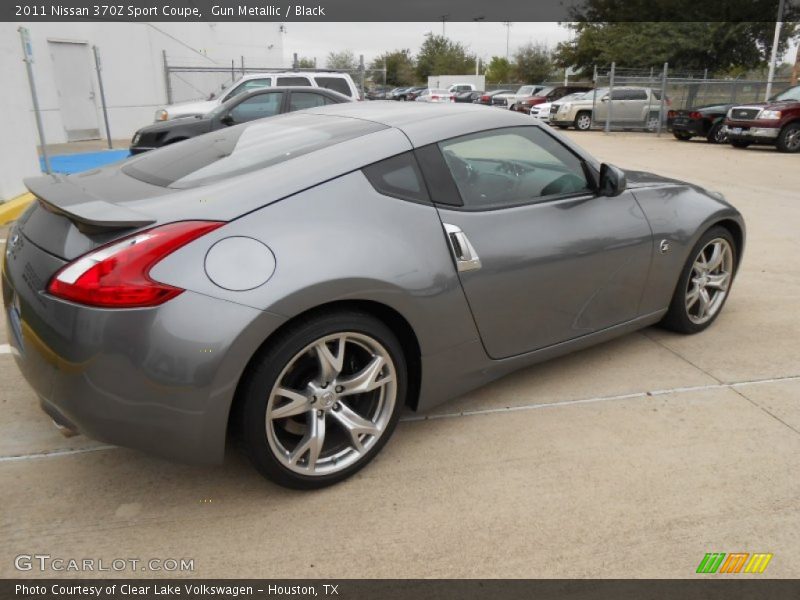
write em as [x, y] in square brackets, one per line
[11, 210]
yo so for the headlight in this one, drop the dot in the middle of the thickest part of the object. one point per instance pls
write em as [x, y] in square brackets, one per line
[766, 115]
[161, 114]
[135, 139]
[564, 107]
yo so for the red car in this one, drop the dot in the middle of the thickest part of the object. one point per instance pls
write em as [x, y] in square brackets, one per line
[775, 123]
[548, 94]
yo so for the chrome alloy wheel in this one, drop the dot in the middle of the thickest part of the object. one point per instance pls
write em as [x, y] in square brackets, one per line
[793, 140]
[331, 403]
[709, 281]
[584, 122]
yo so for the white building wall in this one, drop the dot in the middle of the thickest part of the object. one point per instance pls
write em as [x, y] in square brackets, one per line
[133, 76]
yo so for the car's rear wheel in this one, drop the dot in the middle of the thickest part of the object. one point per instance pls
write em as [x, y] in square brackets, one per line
[740, 143]
[321, 401]
[718, 134]
[704, 283]
[789, 138]
[583, 121]
[682, 136]
[652, 122]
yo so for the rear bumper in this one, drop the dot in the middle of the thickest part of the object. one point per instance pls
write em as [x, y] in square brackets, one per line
[693, 127]
[160, 379]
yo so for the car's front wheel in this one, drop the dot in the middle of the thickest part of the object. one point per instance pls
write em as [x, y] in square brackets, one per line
[321, 400]
[789, 138]
[704, 283]
[583, 121]
[718, 134]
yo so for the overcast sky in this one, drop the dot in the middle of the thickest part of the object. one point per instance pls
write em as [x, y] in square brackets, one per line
[371, 39]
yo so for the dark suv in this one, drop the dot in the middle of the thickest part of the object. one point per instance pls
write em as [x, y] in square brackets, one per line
[776, 122]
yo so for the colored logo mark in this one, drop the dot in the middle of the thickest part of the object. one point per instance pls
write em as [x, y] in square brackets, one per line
[735, 562]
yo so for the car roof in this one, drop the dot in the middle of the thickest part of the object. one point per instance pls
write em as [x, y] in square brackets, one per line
[305, 73]
[424, 123]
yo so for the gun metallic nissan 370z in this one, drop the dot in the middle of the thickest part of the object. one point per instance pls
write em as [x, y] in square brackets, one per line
[304, 278]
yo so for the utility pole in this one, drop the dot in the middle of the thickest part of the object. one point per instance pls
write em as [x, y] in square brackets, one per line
[444, 19]
[796, 69]
[27, 53]
[507, 25]
[774, 58]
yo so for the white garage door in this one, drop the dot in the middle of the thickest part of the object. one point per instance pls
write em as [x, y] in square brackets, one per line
[75, 85]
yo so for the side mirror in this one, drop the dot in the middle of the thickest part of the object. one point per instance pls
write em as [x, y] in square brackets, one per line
[612, 180]
[604, 99]
[227, 119]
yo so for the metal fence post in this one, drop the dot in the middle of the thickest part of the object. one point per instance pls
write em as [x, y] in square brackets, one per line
[610, 96]
[361, 73]
[27, 53]
[663, 99]
[241, 58]
[167, 83]
[99, 68]
[294, 62]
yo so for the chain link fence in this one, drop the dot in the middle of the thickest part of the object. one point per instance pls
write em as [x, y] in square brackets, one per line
[188, 80]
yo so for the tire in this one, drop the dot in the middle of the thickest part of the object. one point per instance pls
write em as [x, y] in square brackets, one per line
[652, 122]
[740, 143]
[308, 446]
[682, 136]
[685, 313]
[789, 138]
[583, 121]
[717, 135]
[562, 126]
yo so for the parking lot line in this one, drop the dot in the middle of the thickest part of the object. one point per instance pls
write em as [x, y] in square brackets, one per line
[5, 349]
[470, 413]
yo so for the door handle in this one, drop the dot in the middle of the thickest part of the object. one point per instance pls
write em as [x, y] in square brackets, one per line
[463, 251]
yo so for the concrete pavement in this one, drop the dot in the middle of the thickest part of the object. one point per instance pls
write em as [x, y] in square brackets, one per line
[630, 459]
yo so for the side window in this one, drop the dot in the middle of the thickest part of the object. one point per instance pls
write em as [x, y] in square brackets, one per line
[303, 81]
[512, 166]
[301, 100]
[620, 95]
[399, 177]
[337, 84]
[248, 86]
[257, 107]
[637, 95]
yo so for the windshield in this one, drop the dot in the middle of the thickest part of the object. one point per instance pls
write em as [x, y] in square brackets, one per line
[544, 91]
[526, 90]
[243, 148]
[790, 94]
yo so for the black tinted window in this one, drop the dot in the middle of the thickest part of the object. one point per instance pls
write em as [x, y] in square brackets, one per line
[293, 81]
[398, 176]
[337, 84]
[243, 148]
[257, 107]
[301, 100]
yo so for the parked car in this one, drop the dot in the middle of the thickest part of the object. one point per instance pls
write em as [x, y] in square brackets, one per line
[457, 88]
[544, 95]
[542, 111]
[469, 96]
[409, 94]
[242, 108]
[703, 121]
[377, 93]
[630, 107]
[486, 97]
[338, 82]
[292, 280]
[507, 99]
[436, 96]
[776, 122]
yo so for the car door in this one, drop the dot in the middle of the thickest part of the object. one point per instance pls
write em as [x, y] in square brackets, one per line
[541, 257]
[255, 107]
[637, 102]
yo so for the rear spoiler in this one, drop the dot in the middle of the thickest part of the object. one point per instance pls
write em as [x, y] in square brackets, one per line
[62, 196]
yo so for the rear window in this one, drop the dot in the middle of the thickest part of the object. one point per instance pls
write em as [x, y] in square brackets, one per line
[243, 148]
[293, 81]
[337, 84]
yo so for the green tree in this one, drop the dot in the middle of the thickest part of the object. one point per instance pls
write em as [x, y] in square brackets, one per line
[685, 33]
[399, 67]
[306, 63]
[499, 70]
[533, 63]
[442, 56]
[342, 61]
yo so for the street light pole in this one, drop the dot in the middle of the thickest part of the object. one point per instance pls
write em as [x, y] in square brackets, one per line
[774, 58]
[507, 25]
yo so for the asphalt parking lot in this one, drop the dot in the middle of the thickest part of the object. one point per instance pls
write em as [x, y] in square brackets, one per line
[630, 459]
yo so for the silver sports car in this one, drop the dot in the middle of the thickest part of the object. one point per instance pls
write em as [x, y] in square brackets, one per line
[299, 281]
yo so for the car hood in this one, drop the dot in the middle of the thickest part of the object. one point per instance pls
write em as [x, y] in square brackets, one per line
[160, 126]
[779, 105]
[640, 179]
[191, 108]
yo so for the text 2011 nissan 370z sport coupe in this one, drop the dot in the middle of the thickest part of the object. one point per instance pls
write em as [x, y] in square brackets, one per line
[300, 280]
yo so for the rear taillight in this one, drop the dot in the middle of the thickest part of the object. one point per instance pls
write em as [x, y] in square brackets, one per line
[117, 275]
[484, 98]
[695, 115]
[671, 114]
